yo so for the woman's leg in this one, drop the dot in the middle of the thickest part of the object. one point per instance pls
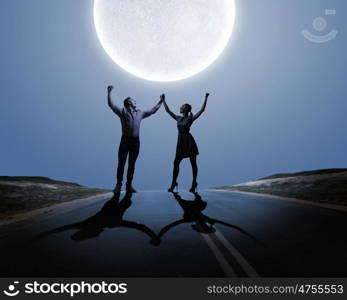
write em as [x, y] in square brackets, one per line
[194, 168]
[176, 169]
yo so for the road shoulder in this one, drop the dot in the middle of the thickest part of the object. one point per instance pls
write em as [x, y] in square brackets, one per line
[300, 201]
[53, 209]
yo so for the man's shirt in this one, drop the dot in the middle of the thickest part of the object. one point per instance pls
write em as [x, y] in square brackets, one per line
[131, 121]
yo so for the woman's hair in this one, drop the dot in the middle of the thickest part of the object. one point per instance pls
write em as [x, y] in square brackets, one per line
[188, 107]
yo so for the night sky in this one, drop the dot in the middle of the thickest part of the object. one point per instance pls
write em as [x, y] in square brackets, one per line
[278, 101]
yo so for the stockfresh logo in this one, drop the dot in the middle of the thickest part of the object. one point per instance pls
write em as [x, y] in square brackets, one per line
[11, 290]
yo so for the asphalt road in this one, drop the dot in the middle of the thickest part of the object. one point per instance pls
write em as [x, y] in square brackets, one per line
[159, 234]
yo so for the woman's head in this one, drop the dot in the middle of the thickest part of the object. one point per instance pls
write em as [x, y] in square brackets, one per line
[185, 108]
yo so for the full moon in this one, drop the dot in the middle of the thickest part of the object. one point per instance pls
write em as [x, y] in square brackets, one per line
[164, 40]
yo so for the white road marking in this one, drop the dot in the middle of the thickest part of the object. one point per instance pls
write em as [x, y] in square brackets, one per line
[237, 255]
[228, 270]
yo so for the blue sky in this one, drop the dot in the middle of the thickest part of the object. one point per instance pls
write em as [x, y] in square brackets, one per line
[278, 102]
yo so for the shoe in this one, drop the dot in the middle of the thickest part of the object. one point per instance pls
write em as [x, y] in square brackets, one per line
[194, 187]
[115, 198]
[172, 187]
[130, 189]
[117, 189]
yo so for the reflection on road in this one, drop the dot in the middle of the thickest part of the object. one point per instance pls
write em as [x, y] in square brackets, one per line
[111, 216]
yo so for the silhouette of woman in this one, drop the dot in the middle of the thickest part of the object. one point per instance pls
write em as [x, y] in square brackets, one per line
[186, 145]
[192, 213]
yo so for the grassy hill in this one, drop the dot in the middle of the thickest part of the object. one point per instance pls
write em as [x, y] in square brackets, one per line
[23, 194]
[305, 173]
[326, 186]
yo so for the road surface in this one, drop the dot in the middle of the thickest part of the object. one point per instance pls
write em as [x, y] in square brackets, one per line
[160, 234]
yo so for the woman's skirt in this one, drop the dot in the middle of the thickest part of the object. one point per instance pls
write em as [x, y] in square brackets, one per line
[186, 146]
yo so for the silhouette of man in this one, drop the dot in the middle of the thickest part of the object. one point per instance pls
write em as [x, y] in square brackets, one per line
[130, 117]
[110, 216]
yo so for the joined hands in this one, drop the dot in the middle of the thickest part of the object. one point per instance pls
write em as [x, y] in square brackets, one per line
[162, 98]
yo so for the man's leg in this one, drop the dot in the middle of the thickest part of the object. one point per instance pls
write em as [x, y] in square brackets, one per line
[134, 150]
[122, 157]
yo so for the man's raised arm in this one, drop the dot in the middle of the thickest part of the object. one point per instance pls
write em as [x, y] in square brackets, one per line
[147, 113]
[114, 107]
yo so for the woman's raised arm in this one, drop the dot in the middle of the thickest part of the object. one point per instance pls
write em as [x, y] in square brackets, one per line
[199, 113]
[168, 109]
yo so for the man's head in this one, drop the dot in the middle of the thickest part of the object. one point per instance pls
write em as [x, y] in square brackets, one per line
[129, 103]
